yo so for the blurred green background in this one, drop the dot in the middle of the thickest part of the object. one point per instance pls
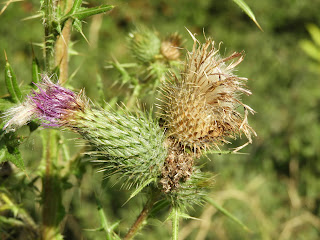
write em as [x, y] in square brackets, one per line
[274, 188]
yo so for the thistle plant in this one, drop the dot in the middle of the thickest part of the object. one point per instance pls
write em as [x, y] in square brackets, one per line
[157, 154]
[200, 112]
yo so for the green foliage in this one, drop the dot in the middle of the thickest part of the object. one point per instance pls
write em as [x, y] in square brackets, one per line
[9, 149]
[273, 189]
[248, 11]
[312, 49]
[35, 71]
[12, 84]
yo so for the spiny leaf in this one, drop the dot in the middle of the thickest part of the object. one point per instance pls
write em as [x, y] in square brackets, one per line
[139, 189]
[78, 26]
[11, 83]
[9, 150]
[87, 12]
[35, 70]
[76, 6]
[39, 15]
[248, 11]
[15, 158]
[227, 213]
[82, 13]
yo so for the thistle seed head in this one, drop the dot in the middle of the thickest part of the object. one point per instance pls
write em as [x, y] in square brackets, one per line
[177, 168]
[170, 47]
[200, 105]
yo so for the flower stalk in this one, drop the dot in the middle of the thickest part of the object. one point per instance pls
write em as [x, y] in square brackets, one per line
[175, 223]
[141, 220]
[49, 37]
[51, 192]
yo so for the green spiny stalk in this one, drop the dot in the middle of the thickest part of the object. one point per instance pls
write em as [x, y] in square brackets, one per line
[175, 215]
[49, 36]
[51, 192]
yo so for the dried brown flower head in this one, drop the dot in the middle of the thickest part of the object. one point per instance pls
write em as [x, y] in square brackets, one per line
[200, 105]
[177, 167]
[170, 47]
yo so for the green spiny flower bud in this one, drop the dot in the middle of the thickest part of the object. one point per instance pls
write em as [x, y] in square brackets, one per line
[144, 44]
[125, 144]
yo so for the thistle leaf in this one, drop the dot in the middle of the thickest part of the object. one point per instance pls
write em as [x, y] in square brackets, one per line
[227, 213]
[15, 158]
[248, 11]
[11, 83]
[139, 189]
[35, 70]
[76, 6]
[81, 13]
[87, 12]
[78, 26]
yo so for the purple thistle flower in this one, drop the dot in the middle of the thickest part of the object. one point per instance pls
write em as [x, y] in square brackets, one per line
[52, 104]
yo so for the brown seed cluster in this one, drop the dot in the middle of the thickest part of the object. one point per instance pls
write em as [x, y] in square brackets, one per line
[178, 167]
[201, 105]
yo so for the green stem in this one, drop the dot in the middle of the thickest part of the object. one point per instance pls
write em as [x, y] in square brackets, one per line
[142, 216]
[104, 222]
[51, 186]
[133, 98]
[49, 37]
[51, 193]
[175, 223]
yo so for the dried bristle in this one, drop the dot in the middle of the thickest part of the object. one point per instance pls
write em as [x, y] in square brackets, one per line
[200, 106]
